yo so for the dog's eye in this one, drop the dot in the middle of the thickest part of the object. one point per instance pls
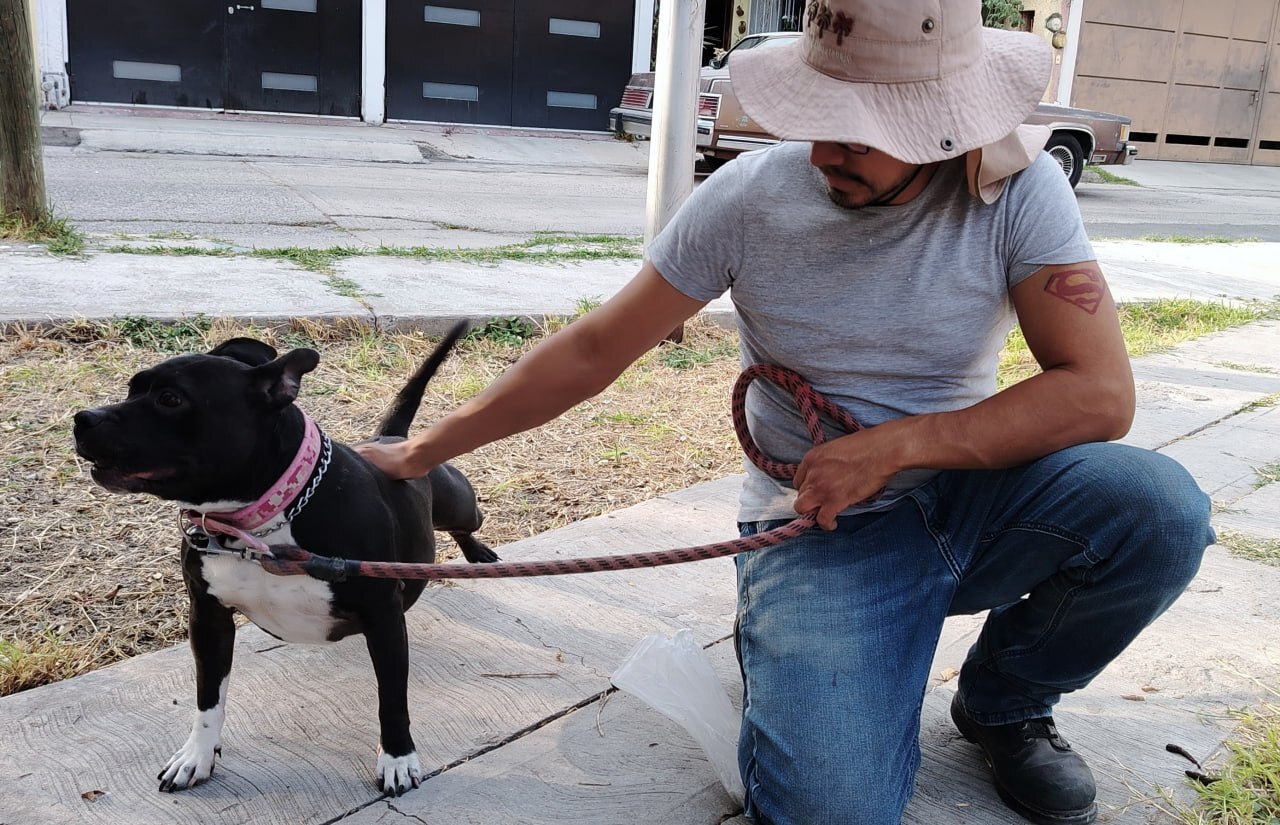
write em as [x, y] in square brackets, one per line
[168, 398]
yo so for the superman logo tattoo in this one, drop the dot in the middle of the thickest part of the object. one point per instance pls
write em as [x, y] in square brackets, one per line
[1082, 287]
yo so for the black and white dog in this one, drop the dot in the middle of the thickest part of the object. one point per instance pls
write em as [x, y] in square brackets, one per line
[219, 434]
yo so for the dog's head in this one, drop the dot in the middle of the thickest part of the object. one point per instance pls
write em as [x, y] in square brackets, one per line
[193, 427]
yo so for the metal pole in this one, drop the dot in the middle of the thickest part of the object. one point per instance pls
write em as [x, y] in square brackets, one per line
[675, 95]
[675, 111]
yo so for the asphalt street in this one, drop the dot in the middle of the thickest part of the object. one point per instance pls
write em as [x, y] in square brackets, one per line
[303, 184]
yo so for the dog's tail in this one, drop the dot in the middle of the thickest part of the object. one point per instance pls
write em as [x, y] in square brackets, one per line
[397, 422]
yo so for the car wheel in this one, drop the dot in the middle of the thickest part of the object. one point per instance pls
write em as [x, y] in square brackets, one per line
[1066, 150]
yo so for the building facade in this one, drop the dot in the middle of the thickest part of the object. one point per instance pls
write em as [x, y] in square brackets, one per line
[557, 64]
[1200, 80]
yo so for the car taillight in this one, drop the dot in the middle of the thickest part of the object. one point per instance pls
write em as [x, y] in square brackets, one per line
[708, 106]
[637, 97]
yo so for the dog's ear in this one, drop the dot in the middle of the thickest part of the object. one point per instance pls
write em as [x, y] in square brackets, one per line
[281, 379]
[246, 350]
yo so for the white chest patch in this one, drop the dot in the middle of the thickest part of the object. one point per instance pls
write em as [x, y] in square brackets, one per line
[293, 608]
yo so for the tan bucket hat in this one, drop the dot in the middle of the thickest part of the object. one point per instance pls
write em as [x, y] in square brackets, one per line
[920, 80]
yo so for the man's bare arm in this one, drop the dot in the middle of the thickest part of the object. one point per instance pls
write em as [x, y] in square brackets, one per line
[1084, 393]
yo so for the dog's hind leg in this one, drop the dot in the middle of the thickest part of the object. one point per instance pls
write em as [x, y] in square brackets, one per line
[454, 508]
[474, 550]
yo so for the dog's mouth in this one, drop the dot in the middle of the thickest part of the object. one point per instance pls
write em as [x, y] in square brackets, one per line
[118, 480]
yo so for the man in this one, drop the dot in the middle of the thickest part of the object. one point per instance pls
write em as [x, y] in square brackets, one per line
[883, 252]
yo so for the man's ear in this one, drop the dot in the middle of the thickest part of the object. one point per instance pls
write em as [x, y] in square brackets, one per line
[245, 350]
[281, 379]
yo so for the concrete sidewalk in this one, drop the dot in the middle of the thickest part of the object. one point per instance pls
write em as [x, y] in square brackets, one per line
[161, 131]
[403, 292]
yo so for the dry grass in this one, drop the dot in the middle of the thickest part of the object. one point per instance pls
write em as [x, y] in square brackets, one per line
[91, 577]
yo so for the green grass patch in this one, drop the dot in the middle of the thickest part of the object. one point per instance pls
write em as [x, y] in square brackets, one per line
[511, 331]
[681, 357]
[1195, 239]
[541, 248]
[61, 237]
[345, 287]
[185, 335]
[1247, 788]
[1111, 177]
[315, 260]
[621, 417]
[1147, 327]
[172, 251]
[26, 665]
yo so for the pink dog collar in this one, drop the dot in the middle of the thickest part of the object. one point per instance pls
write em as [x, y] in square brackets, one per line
[275, 500]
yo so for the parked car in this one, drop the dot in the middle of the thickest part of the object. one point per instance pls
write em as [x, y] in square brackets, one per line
[725, 130]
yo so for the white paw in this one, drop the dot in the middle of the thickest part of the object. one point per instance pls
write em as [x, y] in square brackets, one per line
[397, 774]
[192, 764]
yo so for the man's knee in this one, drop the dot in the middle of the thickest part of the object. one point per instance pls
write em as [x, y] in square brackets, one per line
[1157, 502]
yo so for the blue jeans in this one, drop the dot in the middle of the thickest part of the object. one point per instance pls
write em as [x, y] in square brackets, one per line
[836, 630]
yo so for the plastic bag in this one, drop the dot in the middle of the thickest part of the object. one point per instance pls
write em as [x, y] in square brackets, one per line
[675, 678]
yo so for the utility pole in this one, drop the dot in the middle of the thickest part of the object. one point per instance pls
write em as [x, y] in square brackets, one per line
[673, 141]
[21, 162]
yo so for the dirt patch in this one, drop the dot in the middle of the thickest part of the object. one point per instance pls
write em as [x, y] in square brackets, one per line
[92, 577]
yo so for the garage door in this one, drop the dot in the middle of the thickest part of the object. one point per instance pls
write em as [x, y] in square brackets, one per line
[557, 64]
[267, 55]
[1200, 80]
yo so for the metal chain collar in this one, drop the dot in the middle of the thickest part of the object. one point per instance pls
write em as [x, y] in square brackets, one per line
[326, 453]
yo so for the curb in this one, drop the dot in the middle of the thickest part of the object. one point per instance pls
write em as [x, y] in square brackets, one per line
[432, 325]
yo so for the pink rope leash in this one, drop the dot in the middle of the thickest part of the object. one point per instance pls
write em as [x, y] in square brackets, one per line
[292, 560]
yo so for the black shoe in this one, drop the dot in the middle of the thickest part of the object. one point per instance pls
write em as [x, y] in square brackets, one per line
[1036, 772]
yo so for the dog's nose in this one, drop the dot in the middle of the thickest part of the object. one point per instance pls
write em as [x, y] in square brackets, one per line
[88, 419]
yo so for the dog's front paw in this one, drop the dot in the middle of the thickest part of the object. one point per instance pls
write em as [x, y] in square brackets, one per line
[191, 765]
[397, 774]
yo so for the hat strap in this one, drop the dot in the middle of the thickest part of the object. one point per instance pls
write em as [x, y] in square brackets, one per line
[897, 190]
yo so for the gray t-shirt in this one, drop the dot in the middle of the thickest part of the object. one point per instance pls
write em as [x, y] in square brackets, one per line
[889, 311]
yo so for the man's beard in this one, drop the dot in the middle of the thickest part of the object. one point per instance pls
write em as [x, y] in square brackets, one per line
[846, 200]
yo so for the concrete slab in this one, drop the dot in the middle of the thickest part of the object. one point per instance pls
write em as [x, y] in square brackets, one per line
[242, 145]
[1255, 514]
[405, 292]
[155, 131]
[108, 286]
[1168, 174]
[1228, 458]
[1141, 270]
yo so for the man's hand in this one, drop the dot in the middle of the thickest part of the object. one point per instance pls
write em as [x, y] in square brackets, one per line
[395, 459]
[845, 471]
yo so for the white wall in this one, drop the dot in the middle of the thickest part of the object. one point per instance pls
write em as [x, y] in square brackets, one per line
[373, 62]
[1067, 71]
[51, 51]
[642, 40]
